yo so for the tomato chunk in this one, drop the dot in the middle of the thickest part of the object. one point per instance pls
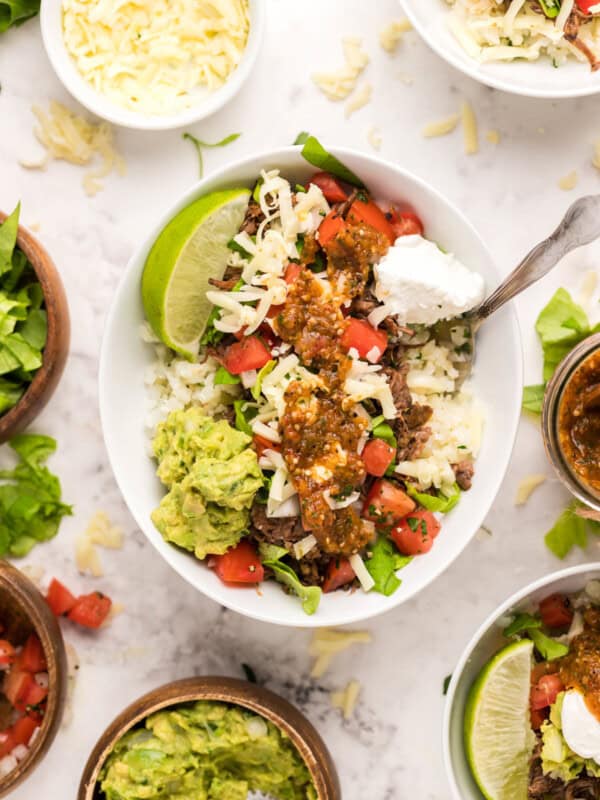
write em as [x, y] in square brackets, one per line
[17, 686]
[556, 611]
[291, 272]
[387, 503]
[371, 214]
[330, 186]
[32, 657]
[249, 353]
[7, 652]
[545, 692]
[586, 5]
[406, 223]
[7, 742]
[23, 729]
[377, 457]
[34, 695]
[414, 535]
[369, 342]
[330, 227]
[339, 573]
[538, 717]
[59, 598]
[241, 564]
[90, 610]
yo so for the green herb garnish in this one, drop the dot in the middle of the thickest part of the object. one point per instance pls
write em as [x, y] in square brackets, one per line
[314, 152]
[200, 145]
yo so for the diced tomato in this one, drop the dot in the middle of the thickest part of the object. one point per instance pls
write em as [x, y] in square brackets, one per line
[268, 335]
[249, 353]
[545, 692]
[7, 742]
[387, 503]
[556, 611]
[543, 668]
[371, 214]
[32, 657]
[586, 5]
[59, 598]
[369, 342]
[23, 729]
[291, 272]
[241, 564]
[330, 187]
[17, 686]
[90, 610]
[34, 695]
[339, 573]
[261, 444]
[377, 456]
[7, 652]
[330, 227]
[406, 223]
[538, 717]
[414, 535]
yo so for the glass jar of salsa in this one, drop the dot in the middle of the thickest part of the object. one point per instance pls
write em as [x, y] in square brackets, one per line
[571, 421]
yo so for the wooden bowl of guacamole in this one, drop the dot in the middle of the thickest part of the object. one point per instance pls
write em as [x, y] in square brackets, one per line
[215, 738]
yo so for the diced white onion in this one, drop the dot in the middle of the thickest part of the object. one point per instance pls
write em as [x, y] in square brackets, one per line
[248, 378]
[289, 508]
[304, 546]
[361, 572]
[335, 505]
[265, 431]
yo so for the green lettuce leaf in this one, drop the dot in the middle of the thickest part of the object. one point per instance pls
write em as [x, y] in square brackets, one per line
[15, 12]
[548, 648]
[442, 503]
[314, 152]
[262, 374]
[309, 595]
[382, 566]
[10, 226]
[522, 623]
[533, 398]
[568, 530]
[224, 378]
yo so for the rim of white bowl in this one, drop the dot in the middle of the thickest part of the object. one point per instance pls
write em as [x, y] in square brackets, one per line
[513, 601]
[471, 68]
[98, 104]
[187, 197]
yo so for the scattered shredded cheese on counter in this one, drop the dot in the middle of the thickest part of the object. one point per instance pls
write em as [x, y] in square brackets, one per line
[441, 127]
[100, 532]
[589, 284]
[156, 56]
[374, 137]
[359, 99]
[115, 610]
[569, 182]
[346, 699]
[596, 156]
[340, 83]
[470, 130]
[493, 137]
[327, 642]
[71, 138]
[526, 488]
[390, 36]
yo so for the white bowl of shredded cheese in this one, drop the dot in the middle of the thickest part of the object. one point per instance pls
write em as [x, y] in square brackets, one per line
[127, 363]
[152, 65]
[512, 46]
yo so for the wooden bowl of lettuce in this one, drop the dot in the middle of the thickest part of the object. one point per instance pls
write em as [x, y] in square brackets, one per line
[34, 326]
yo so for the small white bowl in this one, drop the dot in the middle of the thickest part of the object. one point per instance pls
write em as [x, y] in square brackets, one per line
[99, 104]
[497, 381]
[526, 78]
[486, 643]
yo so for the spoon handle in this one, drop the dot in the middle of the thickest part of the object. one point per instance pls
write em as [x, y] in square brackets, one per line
[580, 225]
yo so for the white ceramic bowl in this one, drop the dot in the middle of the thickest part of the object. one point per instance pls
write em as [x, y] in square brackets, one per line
[527, 78]
[99, 104]
[498, 381]
[485, 643]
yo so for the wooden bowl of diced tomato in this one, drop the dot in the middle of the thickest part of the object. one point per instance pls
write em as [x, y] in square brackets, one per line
[33, 670]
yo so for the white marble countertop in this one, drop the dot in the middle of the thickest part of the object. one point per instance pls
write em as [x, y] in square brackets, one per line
[392, 747]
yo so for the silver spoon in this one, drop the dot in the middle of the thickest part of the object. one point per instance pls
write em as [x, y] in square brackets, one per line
[579, 226]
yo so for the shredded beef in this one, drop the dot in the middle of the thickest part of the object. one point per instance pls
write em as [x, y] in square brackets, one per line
[464, 472]
[571, 32]
[544, 787]
[226, 284]
[282, 531]
[398, 387]
[254, 216]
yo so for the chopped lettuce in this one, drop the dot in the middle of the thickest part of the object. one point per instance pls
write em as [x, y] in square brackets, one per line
[30, 497]
[262, 374]
[442, 502]
[522, 623]
[16, 12]
[550, 8]
[561, 325]
[224, 378]
[302, 137]
[314, 152]
[569, 530]
[242, 416]
[309, 595]
[548, 648]
[558, 760]
[384, 431]
[383, 564]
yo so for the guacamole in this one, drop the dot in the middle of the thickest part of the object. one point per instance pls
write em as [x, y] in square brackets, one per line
[212, 475]
[205, 751]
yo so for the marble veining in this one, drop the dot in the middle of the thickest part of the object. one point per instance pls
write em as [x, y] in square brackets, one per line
[391, 749]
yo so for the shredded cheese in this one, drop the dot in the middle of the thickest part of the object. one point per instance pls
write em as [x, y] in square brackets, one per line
[340, 83]
[589, 285]
[596, 156]
[569, 182]
[71, 138]
[493, 137]
[304, 546]
[391, 35]
[346, 699]
[99, 532]
[359, 99]
[327, 642]
[156, 56]
[374, 137]
[470, 132]
[441, 127]
[526, 488]
[361, 572]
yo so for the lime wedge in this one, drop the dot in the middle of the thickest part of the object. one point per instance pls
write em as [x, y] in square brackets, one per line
[191, 249]
[498, 736]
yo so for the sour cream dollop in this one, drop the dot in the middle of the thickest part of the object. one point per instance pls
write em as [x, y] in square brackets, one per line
[420, 284]
[580, 727]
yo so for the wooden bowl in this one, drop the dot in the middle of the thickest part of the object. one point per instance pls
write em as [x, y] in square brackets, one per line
[226, 690]
[56, 350]
[23, 610]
